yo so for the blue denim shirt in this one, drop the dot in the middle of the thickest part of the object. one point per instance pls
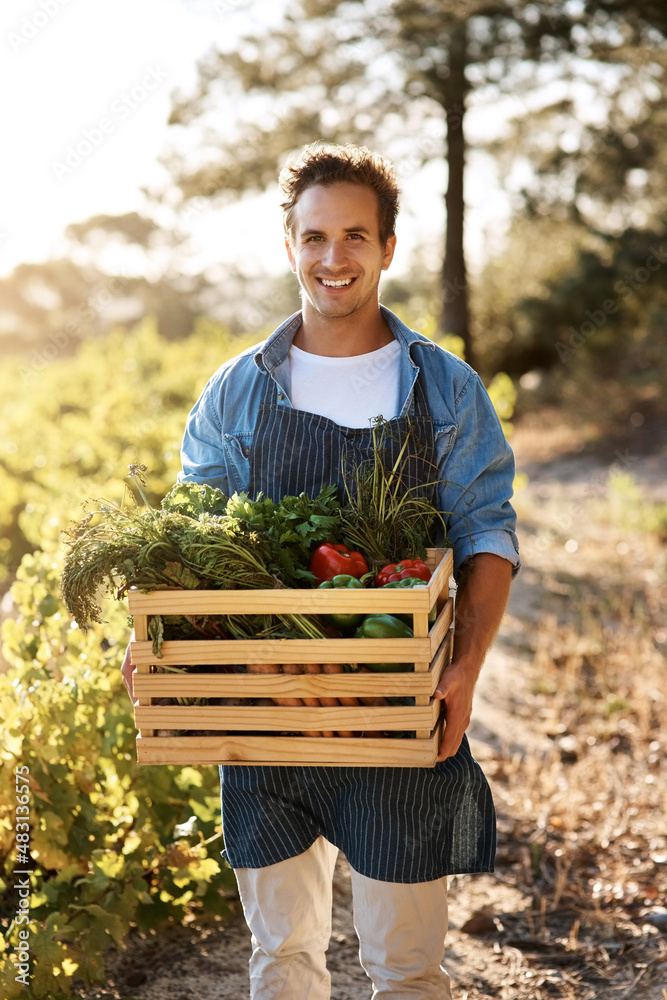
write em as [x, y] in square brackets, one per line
[476, 464]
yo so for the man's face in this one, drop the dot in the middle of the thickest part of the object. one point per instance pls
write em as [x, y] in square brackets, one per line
[336, 251]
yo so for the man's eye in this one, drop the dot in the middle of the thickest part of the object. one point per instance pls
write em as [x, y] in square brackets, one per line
[355, 236]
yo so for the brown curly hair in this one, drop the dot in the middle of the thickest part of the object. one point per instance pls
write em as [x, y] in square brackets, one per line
[328, 163]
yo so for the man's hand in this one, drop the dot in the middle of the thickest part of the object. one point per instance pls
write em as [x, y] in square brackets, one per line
[127, 670]
[480, 604]
[455, 688]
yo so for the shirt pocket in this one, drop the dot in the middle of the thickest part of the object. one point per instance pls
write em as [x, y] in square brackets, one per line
[237, 458]
[444, 436]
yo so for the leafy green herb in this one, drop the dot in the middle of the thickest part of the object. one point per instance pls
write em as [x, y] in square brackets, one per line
[194, 499]
[386, 516]
[291, 528]
[198, 539]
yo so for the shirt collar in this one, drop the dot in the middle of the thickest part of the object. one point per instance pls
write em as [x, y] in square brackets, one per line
[274, 352]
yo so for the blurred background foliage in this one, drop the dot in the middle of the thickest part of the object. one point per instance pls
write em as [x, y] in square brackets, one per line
[72, 427]
[580, 150]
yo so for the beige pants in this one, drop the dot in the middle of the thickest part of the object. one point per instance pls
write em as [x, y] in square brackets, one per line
[401, 929]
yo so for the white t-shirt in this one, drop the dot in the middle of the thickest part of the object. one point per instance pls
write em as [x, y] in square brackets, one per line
[349, 391]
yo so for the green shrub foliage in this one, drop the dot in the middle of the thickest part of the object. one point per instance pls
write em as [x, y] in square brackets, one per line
[71, 426]
[111, 844]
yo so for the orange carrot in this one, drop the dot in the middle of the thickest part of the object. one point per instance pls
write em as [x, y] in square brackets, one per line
[337, 668]
[375, 700]
[296, 668]
[272, 668]
[316, 668]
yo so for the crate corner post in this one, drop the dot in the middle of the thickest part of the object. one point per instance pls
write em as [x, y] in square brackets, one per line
[141, 635]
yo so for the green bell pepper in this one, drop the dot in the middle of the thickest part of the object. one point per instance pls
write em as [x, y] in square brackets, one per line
[343, 581]
[407, 584]
[384, 627]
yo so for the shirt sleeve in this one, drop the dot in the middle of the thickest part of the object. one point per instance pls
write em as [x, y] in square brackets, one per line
[478, 482]
[202, 452]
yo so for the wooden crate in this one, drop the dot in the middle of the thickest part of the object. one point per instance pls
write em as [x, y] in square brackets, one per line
[428, 653]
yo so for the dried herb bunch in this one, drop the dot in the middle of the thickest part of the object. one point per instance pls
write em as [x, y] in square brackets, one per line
[198, 539]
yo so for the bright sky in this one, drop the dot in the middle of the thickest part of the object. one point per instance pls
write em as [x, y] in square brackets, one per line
[86, 90]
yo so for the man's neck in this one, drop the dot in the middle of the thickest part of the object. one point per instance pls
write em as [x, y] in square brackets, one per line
[342, 337]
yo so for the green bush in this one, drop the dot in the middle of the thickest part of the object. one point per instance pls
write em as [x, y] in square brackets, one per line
[104, 841]
[594, 304]
[73, 425]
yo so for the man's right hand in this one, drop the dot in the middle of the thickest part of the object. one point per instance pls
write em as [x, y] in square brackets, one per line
[127, 670]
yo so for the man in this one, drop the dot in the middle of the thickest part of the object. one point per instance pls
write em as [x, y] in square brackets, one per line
[278, 419]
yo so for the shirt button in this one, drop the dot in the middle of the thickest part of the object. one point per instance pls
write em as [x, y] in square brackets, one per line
[281, 395]
[246, 452]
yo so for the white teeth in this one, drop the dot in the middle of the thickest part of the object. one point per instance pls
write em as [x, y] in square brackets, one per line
[337, 284]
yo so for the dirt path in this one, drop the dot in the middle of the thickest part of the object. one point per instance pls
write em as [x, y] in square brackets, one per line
[211, 964]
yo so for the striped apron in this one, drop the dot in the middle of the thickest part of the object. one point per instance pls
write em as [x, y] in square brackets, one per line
[392, 823]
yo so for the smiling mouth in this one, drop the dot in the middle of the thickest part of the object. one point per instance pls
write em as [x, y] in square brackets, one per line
[340, 283]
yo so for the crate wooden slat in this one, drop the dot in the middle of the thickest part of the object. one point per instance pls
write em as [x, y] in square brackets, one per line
[238, 602]
[391, 685]
[211, 652]
[298, 719]
[291, 750]
[221, 651]
[274, 734]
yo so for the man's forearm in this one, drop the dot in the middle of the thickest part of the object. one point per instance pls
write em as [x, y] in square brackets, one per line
[480, 605]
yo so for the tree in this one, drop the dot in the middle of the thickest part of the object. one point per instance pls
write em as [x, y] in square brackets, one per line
[51, 300]
[598, 148]
[396, 75]
[156, 274]
[584, 260]
[118, 268]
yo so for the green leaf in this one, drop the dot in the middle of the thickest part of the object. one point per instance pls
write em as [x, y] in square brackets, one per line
[194, 499]
[181, 576]
[156, 632]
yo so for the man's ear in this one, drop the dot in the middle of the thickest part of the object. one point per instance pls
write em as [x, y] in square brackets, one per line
[388, 252]
[290, 254]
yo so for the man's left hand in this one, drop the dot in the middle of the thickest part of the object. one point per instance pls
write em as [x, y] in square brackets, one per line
[480, 603]
[455, 688]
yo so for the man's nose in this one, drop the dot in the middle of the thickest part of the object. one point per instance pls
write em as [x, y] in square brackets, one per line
[334, 254]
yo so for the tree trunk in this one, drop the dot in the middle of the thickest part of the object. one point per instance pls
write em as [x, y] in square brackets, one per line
[455, 314]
